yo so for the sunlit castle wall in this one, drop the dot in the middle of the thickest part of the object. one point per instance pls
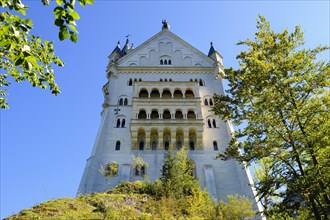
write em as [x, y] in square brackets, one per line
[159, 96]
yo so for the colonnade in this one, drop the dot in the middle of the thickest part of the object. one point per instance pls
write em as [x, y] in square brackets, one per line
[151, 138]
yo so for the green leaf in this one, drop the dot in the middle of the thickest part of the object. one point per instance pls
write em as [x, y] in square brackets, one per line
[18, 61]
[58, 11]
[73, 37]
[59, 2]
[59, 22]
[90, 2]
[75, 15]
[72, 27]
[63, 34]
[58, 62]
[28, 65]
[82, 2]
[32, 60]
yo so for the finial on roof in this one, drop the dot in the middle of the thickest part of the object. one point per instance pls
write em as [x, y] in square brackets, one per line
[117, 48]
[166, 25]
[126, 47]
[132, 46]
[127, 36]
[212, 50]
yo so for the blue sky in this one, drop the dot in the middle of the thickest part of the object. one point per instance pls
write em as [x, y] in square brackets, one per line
[45, 140]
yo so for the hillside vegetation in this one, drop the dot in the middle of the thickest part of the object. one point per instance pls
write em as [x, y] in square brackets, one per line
[176, 195]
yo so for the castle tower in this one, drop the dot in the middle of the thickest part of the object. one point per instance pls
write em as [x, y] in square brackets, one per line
[157, 96]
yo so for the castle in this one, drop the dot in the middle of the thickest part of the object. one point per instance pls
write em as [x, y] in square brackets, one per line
[159, 95]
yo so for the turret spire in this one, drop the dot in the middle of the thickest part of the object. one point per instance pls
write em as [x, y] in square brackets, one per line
[212, 50]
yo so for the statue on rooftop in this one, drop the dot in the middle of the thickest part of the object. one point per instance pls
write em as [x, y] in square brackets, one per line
[166, 25]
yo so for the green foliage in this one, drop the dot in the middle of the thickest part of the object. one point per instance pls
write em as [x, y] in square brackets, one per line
[139, 165]
[129, 187]
[25, 57]
[110, 170]
[66, 17]
[177, 175]
[281, 95]
[138, 200]
[236, 208]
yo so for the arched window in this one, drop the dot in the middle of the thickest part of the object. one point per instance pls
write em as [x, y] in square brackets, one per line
[123, 123]
[192, 146]
[192, 139]
[170, 80]
[191, 115]
[201, 82]
[161, 80]
[142, 115]
[125, 101]
[169, 62]
[189, 94]
[135, 80]
[154, 93]
[161, 62]
[167, 138]
[141, 145]
[165, 80]
[209, 123]
[178, 115]
[215, 146]
[211, 102]
[154, 114]
[140, 171]
[117, 145]
[206, 102]
[140, 80]
[214, 124]
[166, 94]
[120, 101]
[166, 145]
[165, 62]
[166, 114]
[118, 123]
[130, 82]
[154, 139]
[179, 138]
[196, 80]
[191, 80]
[178, 94]
[143, 93]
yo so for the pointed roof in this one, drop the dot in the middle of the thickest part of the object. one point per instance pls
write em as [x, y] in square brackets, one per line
[117, 48]
[212, 50]
[126, 48]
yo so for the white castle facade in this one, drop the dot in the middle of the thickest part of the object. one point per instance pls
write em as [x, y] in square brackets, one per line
[158, 96]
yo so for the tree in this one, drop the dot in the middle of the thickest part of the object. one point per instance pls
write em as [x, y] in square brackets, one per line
[177, 175]
[237, 208]
[281, 96]
[25, 57]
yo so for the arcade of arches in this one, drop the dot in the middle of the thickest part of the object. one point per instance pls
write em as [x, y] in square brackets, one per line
[166, 93]
[163, 139]
[166, 114]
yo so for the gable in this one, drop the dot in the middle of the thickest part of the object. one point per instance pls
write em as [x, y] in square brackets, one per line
[165, 49]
